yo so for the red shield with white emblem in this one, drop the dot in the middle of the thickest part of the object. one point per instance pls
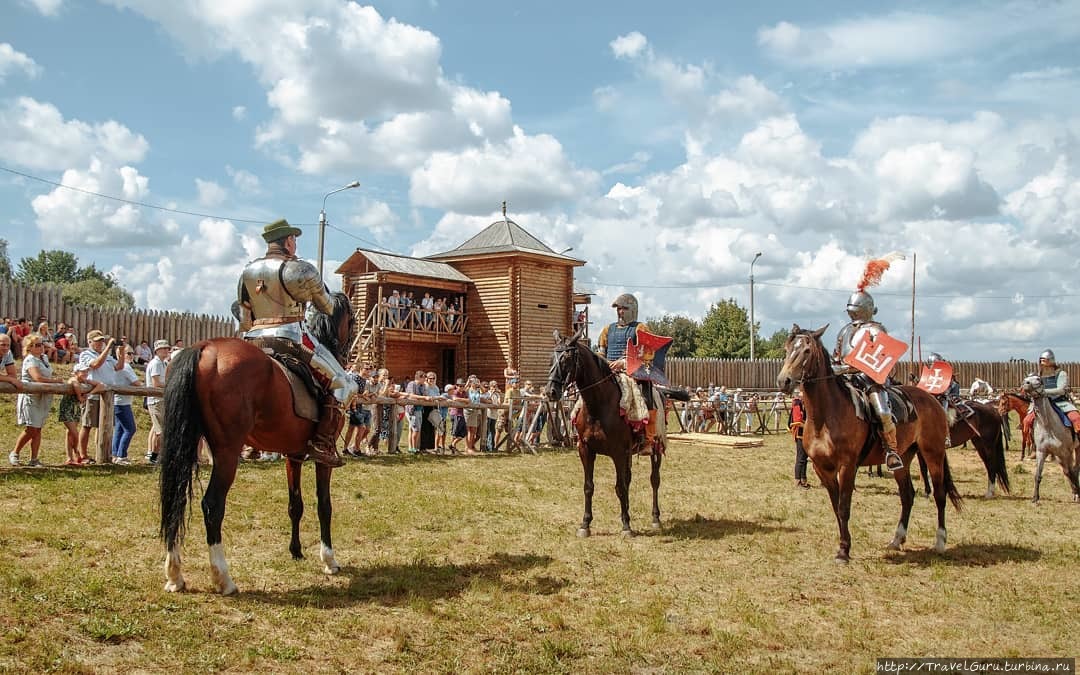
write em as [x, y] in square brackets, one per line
[645, 358]
[935, 378]
[875, 357]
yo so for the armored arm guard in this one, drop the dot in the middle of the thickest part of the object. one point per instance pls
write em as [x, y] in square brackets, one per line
[302, 281]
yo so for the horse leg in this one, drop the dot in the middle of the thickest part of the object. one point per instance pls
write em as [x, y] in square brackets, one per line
[623, 470]
[924, 474]
[588, 461]
[213, 505]
[326, 510]
[906, 489]
[846, 486]
[654, 478]
[1040, 459]
[174, 571]
[940, 491]
[828, 480]
[296, 505]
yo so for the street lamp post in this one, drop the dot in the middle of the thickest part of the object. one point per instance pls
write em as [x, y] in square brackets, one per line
[752, 331]
[322, 219]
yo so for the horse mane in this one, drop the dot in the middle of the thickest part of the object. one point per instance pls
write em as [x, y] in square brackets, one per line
[324, 327]
[601, 364]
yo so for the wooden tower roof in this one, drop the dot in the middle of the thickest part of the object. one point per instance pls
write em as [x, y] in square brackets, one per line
[503, 236]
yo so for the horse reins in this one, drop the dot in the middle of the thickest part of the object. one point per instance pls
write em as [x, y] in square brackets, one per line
[562, 379]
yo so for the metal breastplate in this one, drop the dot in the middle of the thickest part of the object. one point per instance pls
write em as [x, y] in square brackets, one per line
[616, 339]
[851, 332]
[266, 295]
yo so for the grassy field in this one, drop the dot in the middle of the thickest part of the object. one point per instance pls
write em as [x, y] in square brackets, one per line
[471, 565]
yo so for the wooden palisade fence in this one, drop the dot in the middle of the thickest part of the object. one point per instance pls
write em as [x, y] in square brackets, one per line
[761, 373]
[31, 302]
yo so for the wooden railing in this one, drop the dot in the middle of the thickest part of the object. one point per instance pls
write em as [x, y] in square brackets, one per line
[414, 319]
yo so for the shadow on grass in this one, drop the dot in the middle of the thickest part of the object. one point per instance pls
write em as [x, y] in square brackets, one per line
[52, 473]
[700, 527]
[965, 555]
[399, 585]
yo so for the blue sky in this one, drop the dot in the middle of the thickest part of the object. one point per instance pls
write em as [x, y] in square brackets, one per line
[665, 144]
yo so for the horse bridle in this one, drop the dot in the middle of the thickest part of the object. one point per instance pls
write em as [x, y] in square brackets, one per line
[803, 380]
[558, 377]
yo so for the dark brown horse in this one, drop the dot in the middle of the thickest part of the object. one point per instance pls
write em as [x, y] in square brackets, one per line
[984, 430]
[1011, 401]
[839, 442]
[229, 392]
[600, 425]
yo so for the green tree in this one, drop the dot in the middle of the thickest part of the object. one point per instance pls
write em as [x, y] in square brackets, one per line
[773, 348]
[81, 285]
[95, 291]
[683, 329]
[724, 332]
[5, 261]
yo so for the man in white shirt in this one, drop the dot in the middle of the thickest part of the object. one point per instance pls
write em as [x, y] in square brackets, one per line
[981, 390]
[155, 377]
[103, 366]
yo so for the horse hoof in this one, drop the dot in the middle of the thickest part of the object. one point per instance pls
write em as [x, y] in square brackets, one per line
[894, 546]
[174, 586]
[231, 589]
[626, 534]
[332, 569]
[656, 526]
[583, 532]
[840, 560]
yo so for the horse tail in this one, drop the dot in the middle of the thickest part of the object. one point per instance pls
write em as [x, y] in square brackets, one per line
[949, 485]
[180, 445]
[1000, 467]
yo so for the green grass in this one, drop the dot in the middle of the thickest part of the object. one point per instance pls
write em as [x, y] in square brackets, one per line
[471, 565]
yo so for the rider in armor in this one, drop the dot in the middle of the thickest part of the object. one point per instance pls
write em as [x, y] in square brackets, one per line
[1056, 386]
[273, 293]
[611, 344]
[951, 395]
[861, 309]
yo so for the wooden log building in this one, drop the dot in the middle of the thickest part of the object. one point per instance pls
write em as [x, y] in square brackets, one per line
[510, 291]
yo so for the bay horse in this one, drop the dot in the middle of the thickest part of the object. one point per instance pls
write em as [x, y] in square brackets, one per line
[985, 431]
[231, 393]
[1052, 436]
[601, 428]
[838, 442]
[1018, 403]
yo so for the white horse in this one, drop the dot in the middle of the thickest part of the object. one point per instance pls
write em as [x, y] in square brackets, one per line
[1052, 436]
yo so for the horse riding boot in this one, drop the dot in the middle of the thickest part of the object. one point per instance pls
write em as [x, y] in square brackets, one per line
[893, 461]
[322, 448]
[646, 448]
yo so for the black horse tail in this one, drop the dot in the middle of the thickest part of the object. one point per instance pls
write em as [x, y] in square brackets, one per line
[999, 466]
[949, 485]
[180, 445]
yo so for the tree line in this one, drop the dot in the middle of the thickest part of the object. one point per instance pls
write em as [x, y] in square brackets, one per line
[724, 333]
[81, 285]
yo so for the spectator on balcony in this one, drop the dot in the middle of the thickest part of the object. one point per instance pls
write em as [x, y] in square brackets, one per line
[439, 310]
[451, 316]
[394, 304]
[427, 305]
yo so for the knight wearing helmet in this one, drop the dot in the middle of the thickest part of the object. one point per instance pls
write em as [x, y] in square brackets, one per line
[861, 310]
[274, 294]
[611, 344]
[1056, 386]
[951, 395]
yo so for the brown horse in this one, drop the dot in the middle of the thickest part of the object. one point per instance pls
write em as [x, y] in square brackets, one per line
[600, 425]
[838, 442]
[984, 430]
[1011, 401]
[229, 392]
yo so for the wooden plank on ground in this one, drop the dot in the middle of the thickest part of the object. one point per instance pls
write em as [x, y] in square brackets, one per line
[720, 440]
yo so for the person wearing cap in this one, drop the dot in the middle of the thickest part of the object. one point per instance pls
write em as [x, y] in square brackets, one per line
[103, 367]
[155, 405]
[274, 292]
[1056, 386]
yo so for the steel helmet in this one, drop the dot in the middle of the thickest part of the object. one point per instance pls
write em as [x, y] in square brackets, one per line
[860, 306]
[1048, 354]
[934, 358]
[629, 303]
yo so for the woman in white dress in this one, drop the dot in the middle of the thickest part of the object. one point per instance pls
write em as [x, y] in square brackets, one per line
[31, 410]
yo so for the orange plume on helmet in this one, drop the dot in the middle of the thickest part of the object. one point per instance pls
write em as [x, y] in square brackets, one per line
[875, 268]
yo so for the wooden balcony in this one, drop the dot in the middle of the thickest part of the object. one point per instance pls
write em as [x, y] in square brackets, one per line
[408, 324]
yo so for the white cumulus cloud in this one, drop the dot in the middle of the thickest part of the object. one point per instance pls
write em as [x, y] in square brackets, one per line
[12, 60]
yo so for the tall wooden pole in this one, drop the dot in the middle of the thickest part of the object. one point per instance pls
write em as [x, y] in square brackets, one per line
[914, 260]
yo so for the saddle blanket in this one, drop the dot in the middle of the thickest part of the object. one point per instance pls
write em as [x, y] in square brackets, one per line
[902, 408]
[631, 402]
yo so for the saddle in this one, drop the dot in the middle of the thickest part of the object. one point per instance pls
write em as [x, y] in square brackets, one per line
[902, 408]
[290, 358]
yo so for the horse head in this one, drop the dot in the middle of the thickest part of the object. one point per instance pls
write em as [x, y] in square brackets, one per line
[804, 357]
[1033, 386]
[564, 364]
[334, 331]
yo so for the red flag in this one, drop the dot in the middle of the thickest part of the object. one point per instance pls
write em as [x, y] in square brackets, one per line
[875, 357]
[935, 379]
[645, 358]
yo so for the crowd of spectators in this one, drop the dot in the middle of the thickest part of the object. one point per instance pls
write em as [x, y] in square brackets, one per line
[733, 412]
[401, 309]
[103, 361]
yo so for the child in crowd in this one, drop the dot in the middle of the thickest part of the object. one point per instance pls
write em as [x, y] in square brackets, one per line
[71, 409]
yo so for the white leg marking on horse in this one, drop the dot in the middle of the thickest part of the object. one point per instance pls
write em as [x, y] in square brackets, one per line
[219, 571]
[990, 489]
[899, 538]
[326, 554]
[939, 542]
[174, 574]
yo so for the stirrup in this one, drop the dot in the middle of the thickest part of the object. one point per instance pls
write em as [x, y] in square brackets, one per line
[322, 456]
[899, 461]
